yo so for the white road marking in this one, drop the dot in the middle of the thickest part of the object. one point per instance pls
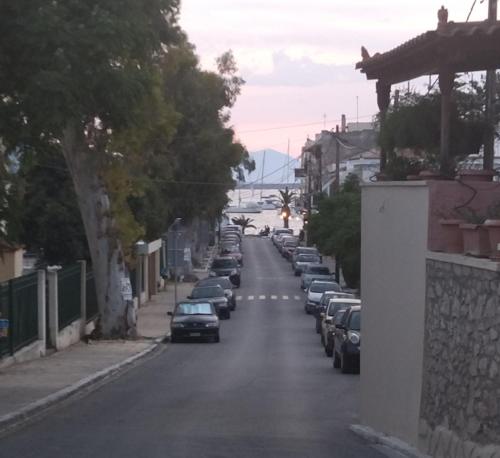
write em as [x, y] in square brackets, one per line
[297, 298]
[239, 298]
[274, 298]
[250, 298]
[285, 298]
[262, 298]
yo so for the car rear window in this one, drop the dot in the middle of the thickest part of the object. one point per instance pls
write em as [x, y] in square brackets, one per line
[224, 263]
[334, 307]
[207, 291]
[355, 321]
[307, 258]
[318, 270]
[194, 309]
[219, 281]
[322, 287]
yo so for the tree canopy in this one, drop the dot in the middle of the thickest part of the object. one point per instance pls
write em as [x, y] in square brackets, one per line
[336, 229]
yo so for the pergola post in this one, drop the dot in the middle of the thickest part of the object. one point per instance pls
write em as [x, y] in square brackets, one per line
[491, 81]
[383, 101]
[446, 79]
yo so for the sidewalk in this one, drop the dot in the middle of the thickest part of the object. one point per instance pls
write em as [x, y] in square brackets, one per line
[28, 388]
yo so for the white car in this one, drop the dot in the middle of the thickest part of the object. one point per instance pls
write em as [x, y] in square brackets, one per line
[315, 292]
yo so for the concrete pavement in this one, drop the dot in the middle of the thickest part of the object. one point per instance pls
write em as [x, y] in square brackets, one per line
[265, 390]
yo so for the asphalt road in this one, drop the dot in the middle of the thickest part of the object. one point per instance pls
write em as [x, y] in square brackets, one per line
[266, 390]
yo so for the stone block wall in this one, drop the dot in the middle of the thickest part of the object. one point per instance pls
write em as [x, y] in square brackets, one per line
[461, 381]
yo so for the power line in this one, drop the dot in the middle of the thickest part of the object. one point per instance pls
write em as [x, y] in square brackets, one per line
[290, 126]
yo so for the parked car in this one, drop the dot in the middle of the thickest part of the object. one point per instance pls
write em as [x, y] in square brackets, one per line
[215, 295]
[289, 247]
[347, 341]
[315, 291]
[194, 320]
[226, 266]
[316, 272]
[233, 251]
[283, 239]
[328, 328]
[302, 261]
[225, 284]
[305, 250]
[232, 228]
[323, 305]
[277, 232]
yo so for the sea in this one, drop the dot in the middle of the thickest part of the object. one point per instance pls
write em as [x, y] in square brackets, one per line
[271, 218]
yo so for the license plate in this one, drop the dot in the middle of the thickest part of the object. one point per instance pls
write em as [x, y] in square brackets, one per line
[195, 334]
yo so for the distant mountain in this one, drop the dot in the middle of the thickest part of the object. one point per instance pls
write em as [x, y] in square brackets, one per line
[278, 167]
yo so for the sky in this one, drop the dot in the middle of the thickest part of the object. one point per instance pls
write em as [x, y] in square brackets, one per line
[298, 58]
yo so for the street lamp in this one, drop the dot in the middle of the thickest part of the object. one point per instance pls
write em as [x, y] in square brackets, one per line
[175, 229]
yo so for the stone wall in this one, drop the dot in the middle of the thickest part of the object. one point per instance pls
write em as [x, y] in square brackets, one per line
[461, 382]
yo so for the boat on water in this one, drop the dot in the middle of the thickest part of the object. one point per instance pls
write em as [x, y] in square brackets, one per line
[268, 204]
[249, 207]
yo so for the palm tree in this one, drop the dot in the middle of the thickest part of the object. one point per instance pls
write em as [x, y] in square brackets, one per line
[245, 223]
[286, 197]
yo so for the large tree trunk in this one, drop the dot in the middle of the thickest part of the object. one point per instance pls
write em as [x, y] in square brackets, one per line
[117, 313]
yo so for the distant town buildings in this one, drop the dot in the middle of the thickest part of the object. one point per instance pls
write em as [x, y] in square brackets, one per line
[355, 144]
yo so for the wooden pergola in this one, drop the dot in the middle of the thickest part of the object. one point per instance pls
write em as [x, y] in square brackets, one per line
[454, 47]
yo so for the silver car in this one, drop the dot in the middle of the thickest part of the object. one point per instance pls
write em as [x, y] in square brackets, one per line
[315, 272]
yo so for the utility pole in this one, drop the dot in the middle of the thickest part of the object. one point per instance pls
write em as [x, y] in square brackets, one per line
[337, 160]
[491, 84]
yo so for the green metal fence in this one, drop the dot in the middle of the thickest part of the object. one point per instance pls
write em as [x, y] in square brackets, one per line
[18, 313]
[24, 310]
[69, 295]
[92, 306]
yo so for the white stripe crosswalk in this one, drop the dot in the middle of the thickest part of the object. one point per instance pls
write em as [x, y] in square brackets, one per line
[273, 297]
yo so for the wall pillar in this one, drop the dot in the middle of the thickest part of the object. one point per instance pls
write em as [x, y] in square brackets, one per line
[42, 307]
[53, 305]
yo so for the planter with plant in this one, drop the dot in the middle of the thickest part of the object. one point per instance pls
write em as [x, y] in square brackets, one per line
[473, 175]
[475, 236]
[452, 241]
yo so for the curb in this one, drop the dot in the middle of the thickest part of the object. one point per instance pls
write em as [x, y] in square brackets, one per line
[27, 412]
[394, 443]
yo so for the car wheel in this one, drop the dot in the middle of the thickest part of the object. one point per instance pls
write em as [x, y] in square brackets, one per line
[318, 326]
[173, 339]
[328, 351]
[305, 310]
[322, 340]
[345, 364]
[296, 274]
[336, 360]
[217, 338]
[227, 315]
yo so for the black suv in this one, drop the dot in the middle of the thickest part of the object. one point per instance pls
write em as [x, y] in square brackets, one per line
[347, 341]
[226, 266]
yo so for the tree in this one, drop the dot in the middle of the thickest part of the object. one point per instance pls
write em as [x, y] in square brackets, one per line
[286, 198]
[336, 229]
[74, 76]
[245, 223]
[415, 124]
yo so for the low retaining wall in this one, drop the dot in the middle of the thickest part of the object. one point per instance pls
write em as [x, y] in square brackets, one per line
[460, 404]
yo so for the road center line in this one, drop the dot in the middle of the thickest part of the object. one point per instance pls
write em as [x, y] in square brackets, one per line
[262, 298]
[274, 298]
[250, 298]
[285, 298]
